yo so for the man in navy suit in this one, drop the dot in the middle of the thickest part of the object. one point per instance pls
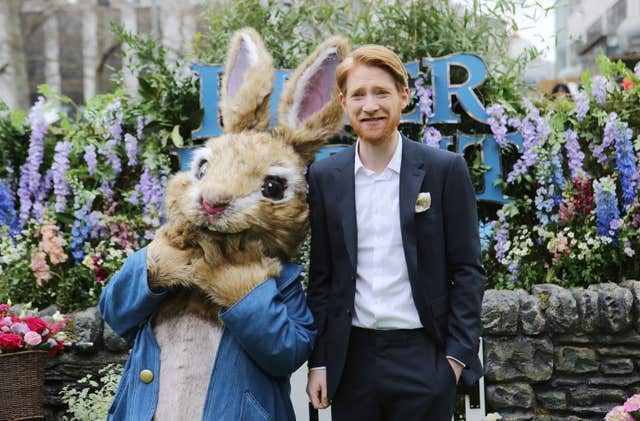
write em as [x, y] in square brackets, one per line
[396, 280]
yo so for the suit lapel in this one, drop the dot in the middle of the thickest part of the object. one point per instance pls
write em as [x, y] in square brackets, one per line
[412, 173]
[345, 187]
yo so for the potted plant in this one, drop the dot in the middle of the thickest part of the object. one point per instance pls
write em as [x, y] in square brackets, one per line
[26, 342]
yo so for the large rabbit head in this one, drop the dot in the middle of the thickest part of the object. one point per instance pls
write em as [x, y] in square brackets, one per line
[248, 184]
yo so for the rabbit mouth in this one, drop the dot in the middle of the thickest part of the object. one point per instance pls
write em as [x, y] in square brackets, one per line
[213, 211]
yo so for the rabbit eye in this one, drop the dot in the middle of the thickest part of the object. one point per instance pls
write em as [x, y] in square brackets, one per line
[274, 187]
[202, 169]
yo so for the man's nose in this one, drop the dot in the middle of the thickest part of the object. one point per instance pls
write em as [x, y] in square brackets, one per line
[370, 104]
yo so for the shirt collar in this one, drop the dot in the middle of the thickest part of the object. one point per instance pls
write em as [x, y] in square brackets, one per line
[394, 164]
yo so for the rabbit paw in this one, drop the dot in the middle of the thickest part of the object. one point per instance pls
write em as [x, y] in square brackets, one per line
[231, 277]
[168, 265]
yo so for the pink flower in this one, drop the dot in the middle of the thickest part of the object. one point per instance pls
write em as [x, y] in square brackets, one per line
[40, 267]
[4, 310]
[632, 404]
[32, 338]
[52, 244]
[10, 341]
[618, 414]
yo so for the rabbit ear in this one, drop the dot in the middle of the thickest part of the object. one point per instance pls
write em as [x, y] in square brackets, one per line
[309, 111]
[246, 84]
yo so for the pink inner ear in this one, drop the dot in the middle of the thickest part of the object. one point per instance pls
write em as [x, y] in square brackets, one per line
[318, 89]
[238, 70]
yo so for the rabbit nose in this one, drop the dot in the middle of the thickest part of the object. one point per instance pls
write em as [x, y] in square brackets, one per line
[213, 209]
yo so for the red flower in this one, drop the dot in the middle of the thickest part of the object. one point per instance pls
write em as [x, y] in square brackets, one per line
[9, 341]
[36, 324]
[4, 310]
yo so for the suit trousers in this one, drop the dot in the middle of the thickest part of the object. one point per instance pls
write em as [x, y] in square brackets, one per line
[394, 375]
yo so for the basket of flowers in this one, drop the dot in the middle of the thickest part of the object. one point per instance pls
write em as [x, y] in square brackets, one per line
[26, 342]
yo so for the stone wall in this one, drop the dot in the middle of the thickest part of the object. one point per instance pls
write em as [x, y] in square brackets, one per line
[561, 354]
[557, 354]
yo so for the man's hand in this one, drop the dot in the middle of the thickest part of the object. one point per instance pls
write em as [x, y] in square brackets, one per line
[317, 388]
[456, 367]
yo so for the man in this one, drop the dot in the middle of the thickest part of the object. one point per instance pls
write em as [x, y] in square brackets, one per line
[396, 281]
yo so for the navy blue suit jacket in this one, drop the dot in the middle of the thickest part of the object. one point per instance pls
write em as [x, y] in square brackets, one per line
[441, 247]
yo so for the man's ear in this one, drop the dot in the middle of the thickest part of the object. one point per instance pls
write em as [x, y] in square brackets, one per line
[310, 112]
[405, 97]
[246, 84]
[343, 102]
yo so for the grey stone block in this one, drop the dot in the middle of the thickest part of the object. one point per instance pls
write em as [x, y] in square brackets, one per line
[587, 305]
[617, 366]
[552, 399]
[615, 304]
[634, 287]
[87, 328]
[575, 360]
[518, 358]
[510, 395]
[582, 395]
[500, 312]
[531, 316]
[560, 309]
[112, 341]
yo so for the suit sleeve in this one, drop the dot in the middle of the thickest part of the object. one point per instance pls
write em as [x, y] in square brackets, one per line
[319, 270]
[464, 265]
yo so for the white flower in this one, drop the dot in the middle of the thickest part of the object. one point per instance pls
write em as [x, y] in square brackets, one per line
[424, 202]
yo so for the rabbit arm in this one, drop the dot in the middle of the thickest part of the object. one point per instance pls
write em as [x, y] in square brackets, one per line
[127, 301]
[274, 327]
[319, 270]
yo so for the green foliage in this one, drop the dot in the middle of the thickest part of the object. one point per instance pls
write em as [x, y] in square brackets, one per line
[89, 399]
[168, 93]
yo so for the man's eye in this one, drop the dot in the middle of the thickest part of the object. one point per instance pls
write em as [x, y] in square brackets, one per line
[273, 187]
[202, 169]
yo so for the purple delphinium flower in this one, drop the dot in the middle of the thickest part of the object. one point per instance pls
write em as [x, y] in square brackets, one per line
[97, 230]
[431, 137]
[115, 130]
[91, 159]
[574, 154]
[550, 181]
[498, 123]
[111, 154]
[626, 165]
[141, 122]
[30, 177]
[106, 187]
[151, 191]
[41, 196]
[636, 70]
[59, 168]
[425, 98]
[534, 130]
[582, 104]
[609, 136]
[606, 206]
[131, 146]
[599, 89]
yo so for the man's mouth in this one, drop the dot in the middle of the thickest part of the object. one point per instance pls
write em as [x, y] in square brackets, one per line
[371, 119]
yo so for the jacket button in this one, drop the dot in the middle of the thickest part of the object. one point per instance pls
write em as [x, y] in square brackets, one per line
[349, 313]
[146, 376]
[353, 278]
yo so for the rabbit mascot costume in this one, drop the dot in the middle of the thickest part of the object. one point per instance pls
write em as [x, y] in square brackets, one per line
[218, 314]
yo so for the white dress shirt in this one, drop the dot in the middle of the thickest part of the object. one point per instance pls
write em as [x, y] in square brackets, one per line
[383, 297]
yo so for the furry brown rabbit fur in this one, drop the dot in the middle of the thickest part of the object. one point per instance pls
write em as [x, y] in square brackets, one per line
[239, 211]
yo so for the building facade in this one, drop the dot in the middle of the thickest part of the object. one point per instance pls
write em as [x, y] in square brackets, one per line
[68, 44]
[587, 27]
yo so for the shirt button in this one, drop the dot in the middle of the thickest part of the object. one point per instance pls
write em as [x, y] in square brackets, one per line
[146, 376]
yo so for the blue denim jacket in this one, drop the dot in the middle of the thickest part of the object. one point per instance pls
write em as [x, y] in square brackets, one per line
[266, 336]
